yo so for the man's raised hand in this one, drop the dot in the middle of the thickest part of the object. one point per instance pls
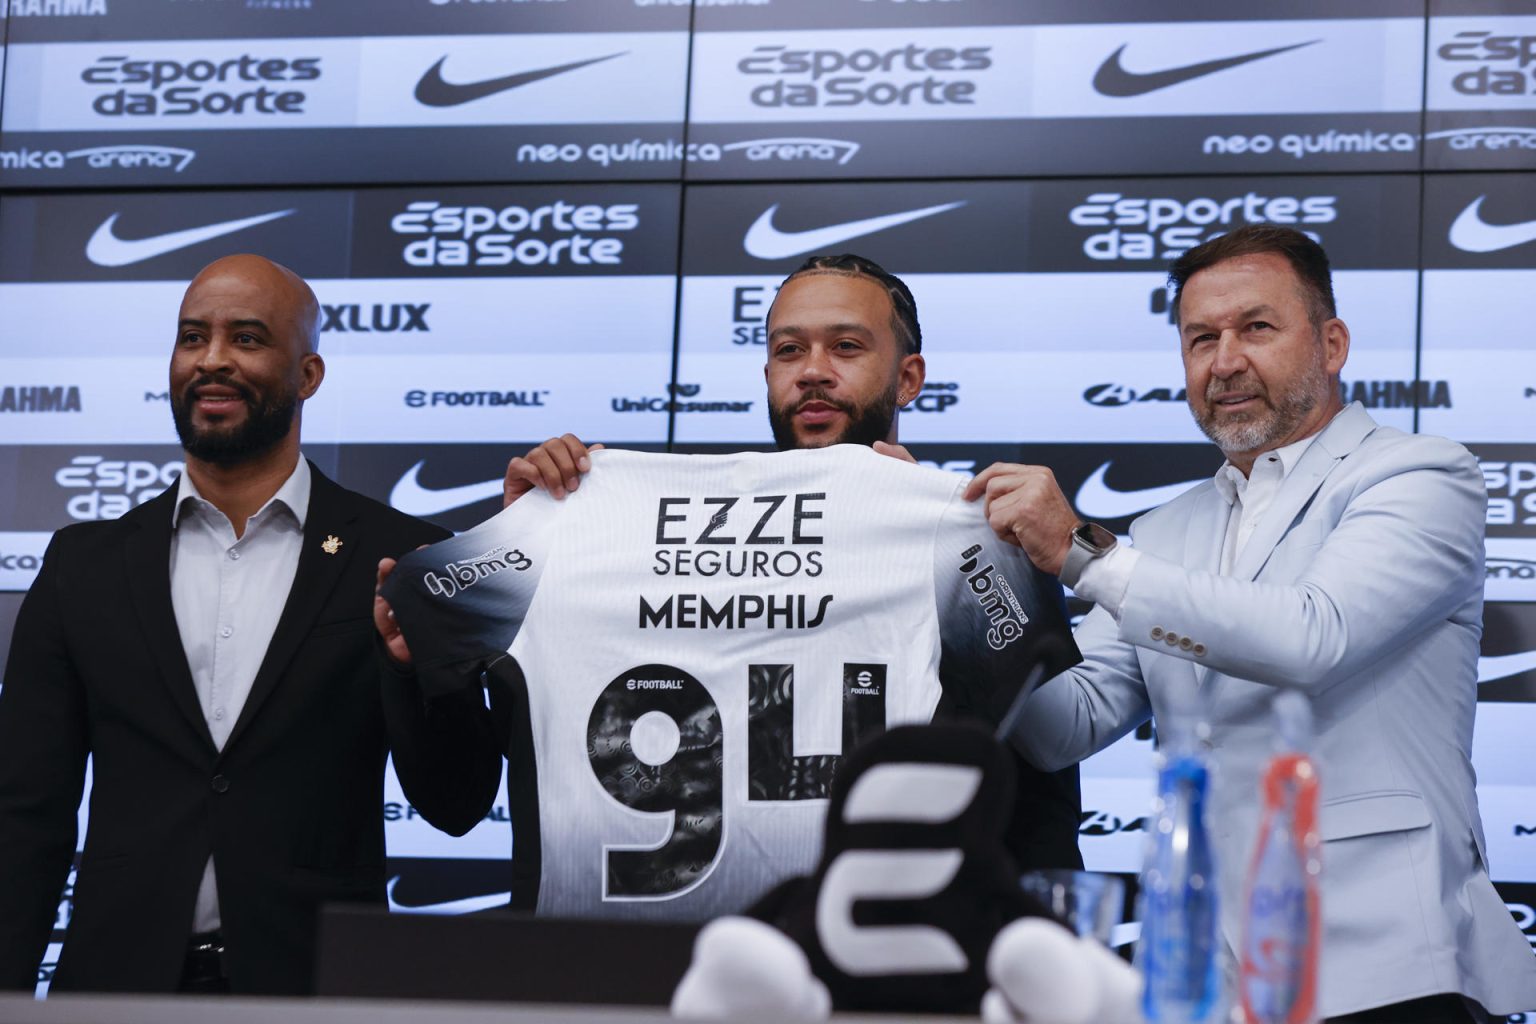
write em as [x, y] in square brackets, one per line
[555, 466]
[1026, 507]
[384, 616]
[895, 451]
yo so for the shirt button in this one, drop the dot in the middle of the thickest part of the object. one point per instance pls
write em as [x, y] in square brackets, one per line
[226, 632]
[218, 714]
[234, 555]
[220, 784]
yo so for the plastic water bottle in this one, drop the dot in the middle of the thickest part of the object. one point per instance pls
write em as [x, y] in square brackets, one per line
[1282, 921]
[1180, 925]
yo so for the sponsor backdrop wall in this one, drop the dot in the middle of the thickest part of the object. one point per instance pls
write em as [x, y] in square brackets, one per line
[531, 216]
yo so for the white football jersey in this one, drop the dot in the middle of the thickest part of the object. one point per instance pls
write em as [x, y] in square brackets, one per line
[701, 638]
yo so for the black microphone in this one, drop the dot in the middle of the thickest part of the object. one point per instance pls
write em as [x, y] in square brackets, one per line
[1047, 652]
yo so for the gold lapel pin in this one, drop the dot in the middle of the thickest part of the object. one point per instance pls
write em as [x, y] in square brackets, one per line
[331, 544]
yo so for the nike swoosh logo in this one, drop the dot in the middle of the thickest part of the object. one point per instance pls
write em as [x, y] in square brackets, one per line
[1505, 665]
[415, 500]
[1097, 500]
[467, 905]
[1470, 233]
[767, 242]
[432, 91]
[107, 250]
[1113, 80]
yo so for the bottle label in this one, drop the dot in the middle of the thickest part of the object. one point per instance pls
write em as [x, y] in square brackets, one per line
[1282, 919]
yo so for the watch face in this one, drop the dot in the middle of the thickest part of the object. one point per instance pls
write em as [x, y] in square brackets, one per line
[1096, 537]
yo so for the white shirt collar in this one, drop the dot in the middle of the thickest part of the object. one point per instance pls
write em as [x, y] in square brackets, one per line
[1230, 481]
[293, 495]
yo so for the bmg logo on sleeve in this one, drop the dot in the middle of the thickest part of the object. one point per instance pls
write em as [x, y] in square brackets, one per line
[459, 576]
[996, 597]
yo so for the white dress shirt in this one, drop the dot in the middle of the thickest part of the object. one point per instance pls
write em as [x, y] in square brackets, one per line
[228, 594]
[1105, 580]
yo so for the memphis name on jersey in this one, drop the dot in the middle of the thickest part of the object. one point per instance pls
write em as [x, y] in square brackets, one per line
[703, 638]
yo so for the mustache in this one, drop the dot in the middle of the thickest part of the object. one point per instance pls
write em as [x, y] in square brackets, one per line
[1217, 386]
[218, 380]
[817, 395]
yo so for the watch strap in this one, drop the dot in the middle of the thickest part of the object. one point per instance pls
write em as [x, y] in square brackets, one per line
[1088, 542]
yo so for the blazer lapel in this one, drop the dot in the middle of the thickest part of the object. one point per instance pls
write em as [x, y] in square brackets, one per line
[147, 557]
[321, 564]
[1206, 532]
[1337, 440]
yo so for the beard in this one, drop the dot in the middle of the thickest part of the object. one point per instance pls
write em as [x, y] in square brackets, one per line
[1281, 415]
[266, 423]
[866, 424]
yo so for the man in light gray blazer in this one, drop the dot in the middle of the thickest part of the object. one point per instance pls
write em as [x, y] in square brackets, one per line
[1332, 555]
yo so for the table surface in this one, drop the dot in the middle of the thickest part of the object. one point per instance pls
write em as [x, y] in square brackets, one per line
[71, 1009]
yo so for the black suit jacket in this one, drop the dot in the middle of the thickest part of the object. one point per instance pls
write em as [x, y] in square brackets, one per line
[290, 810]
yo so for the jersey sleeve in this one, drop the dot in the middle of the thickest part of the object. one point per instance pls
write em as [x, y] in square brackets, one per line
[461, 602]
[999, 616]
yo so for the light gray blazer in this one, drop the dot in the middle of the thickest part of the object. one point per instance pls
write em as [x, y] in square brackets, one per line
[1363, 586]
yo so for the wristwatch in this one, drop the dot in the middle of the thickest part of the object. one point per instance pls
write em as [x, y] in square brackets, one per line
[1089, 541]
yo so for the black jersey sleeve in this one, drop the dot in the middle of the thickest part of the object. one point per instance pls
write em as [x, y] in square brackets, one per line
[999, 616]
[461, 602]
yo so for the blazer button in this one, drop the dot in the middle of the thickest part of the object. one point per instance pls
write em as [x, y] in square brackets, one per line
[1199, 650]
[220, 784]
[1186, 643]
[1157, 632]
[1171, 639]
